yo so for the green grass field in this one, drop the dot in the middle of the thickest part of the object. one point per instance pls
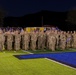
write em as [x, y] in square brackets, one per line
[49, 51]
[10, 65]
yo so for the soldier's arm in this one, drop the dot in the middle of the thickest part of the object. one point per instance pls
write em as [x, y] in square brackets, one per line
[29, 36]
[12, 36]
[22, 33]
[5, 34]
[20, 36]
[3, 37]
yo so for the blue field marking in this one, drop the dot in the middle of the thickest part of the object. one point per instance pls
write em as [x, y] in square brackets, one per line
[68, 58]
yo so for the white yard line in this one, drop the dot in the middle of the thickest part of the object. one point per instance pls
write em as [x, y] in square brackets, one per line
[27, 52]
[60, 63]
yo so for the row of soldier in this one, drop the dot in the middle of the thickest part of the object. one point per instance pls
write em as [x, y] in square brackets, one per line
[37, 40]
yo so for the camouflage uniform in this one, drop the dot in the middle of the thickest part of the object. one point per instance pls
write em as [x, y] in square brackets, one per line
[9, 40]
[63, 41]
[2, 40]
[69, 38]
[52, 41]
[47, 39]
[44, 41]
[74, 39]
[17, 40]
[41, 40]
[25, 40]
[57, 34]
[33, 40]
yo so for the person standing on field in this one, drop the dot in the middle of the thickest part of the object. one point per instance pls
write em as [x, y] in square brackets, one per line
[9, 40]
[69, 38]
[74, 39]
[17, 40]
[33, 40]
[41, 40]
[2, 40]
[25, 40]
[52, 41]
[62, 40]
[47, 39]
[57, 34]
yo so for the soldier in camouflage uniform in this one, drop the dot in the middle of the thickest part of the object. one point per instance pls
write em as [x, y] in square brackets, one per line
[33, 40]
[17, 40]
[62, 40]
[25, 40]
[9, 40]
[47, 39]
[57, 34]
[69, 38]
[41, 40]
[74, 39]
[2, 40]
[52, 41]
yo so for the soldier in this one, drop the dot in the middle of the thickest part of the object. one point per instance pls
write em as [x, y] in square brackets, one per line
[57, 34]
[74, 39]
[63, 40]
[52, 41]
[47, 38]
[33, 40]
[21, 43]
[25, 40]
[69, 38]
[2, 40]
[41, 40]
[9, 40]
[17, 40]
[45, 41]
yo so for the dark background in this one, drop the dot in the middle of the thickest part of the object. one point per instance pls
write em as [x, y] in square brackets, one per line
[23, 7]
[31, 13]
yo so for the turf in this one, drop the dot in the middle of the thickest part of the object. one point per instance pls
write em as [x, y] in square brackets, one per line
[50, 51]
[9, 65]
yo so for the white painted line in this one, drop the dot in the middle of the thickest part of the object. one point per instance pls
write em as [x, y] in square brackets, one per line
[28, 52]
[61, 63]
[15, 51]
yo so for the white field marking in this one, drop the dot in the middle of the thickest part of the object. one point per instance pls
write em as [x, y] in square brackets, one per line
[61, 63]
[15, 51]
[28, 52]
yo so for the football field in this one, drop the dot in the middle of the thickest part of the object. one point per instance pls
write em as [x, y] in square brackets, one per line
[10, 65]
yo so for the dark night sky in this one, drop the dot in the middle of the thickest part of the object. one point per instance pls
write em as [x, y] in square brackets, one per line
[22, 7]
